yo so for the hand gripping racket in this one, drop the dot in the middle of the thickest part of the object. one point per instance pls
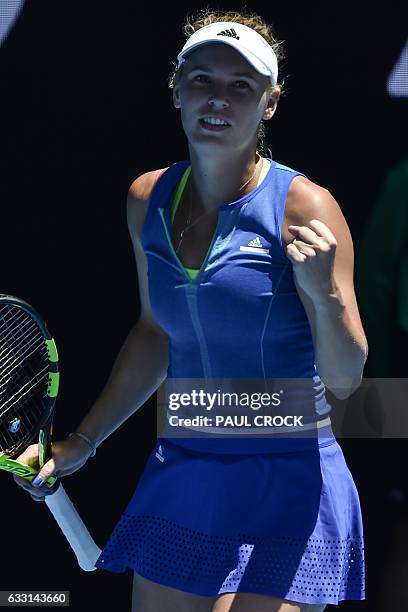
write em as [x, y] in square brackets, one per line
[29, 380]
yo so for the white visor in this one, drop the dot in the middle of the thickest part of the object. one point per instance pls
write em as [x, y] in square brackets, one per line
[251, 45]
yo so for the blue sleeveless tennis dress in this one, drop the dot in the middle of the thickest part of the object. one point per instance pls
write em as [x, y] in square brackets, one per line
[269, 515]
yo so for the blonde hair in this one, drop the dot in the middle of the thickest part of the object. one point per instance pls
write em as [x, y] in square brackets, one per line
[207, 16]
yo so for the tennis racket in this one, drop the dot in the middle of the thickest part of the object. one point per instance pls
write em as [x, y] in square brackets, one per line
[29, 380]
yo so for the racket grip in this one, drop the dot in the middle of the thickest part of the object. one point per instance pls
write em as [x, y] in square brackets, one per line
[72, 526]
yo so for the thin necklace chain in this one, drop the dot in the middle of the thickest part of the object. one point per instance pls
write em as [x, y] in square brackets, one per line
[190, 225]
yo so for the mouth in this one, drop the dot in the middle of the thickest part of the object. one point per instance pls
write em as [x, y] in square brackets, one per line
[214, 124]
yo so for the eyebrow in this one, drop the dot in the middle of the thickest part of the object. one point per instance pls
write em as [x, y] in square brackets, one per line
[235, 74]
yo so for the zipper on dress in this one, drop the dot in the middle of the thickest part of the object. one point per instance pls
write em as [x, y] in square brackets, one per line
[191, 287]
[192, 304]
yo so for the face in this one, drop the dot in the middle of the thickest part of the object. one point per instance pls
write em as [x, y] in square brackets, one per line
[217, 82]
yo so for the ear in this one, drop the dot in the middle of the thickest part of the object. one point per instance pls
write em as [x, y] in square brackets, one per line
[176, 96]
[176, 90]
[272, 104]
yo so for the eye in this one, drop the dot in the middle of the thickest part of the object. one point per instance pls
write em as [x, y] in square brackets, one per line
[201, 78]
[242, 85]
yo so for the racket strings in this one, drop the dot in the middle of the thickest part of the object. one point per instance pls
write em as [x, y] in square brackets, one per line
[8, 330]
[24, 368]
[8, 367]
[9, 370]
[40, 377]
[26, 343]
[27, 331]
[11, 319]
[8, 338]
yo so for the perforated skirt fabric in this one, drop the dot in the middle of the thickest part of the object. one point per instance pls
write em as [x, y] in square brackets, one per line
[283, 524]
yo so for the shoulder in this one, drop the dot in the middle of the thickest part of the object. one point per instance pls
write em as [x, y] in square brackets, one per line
[138, 199]
[307, 200]
[305, 196]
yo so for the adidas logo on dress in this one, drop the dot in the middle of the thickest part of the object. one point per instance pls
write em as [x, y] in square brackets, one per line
[254, 246]
[231, 32]
[159, 454]
[256, 242]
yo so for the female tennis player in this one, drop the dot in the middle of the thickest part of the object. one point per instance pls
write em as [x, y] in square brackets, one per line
[245, 271]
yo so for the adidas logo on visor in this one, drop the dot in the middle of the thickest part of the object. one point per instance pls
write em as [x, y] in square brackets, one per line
[231, 32]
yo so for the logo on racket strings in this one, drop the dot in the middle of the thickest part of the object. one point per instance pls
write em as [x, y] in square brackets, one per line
[14, 425]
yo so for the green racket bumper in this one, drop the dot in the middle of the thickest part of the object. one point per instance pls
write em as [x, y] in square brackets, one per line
[53, 384]
[52, 351]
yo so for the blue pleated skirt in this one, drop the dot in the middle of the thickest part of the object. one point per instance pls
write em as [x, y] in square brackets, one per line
[286, 524]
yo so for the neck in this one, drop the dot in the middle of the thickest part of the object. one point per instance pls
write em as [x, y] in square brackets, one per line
[215, 182]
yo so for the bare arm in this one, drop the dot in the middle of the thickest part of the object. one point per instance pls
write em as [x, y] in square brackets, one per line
[323, 264]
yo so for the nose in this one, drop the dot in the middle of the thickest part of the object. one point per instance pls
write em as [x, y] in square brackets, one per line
[218, 99]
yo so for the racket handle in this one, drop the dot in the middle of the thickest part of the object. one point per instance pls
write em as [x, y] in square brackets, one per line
[73, 528]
